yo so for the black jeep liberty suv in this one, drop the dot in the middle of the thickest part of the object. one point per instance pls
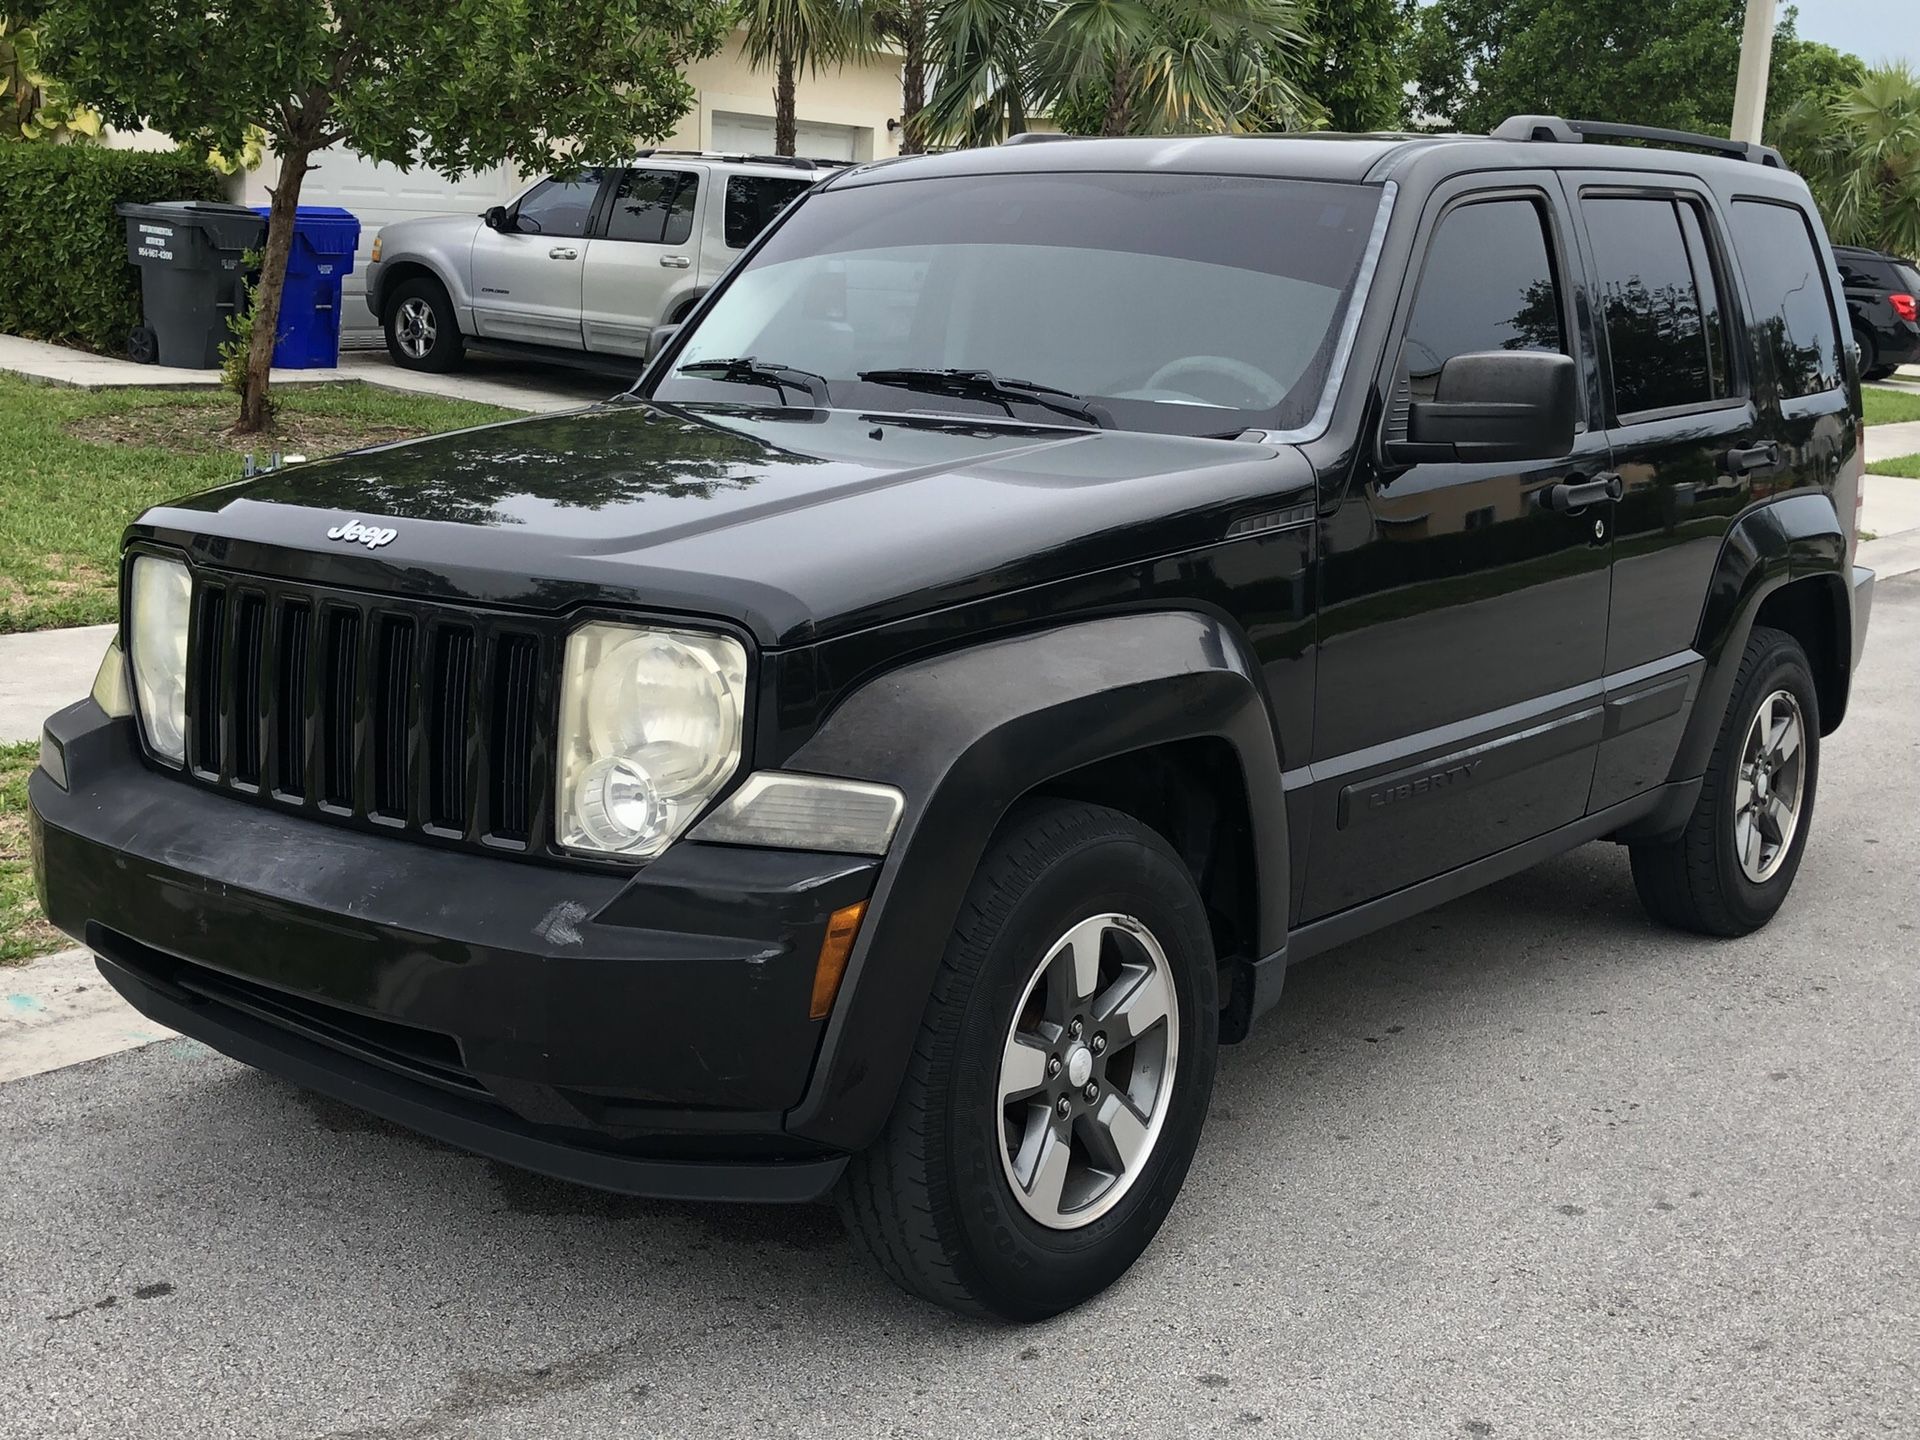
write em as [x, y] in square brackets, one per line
[1041, 594]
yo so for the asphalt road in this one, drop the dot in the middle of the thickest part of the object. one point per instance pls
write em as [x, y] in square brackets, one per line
[1523, 1167]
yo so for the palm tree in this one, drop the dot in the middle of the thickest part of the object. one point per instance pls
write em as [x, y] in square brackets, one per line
[789, 34]
[981, 51]
[1115, 67]
[1860, 152]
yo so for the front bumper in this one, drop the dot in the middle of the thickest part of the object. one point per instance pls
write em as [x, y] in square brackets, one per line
[642, 1033]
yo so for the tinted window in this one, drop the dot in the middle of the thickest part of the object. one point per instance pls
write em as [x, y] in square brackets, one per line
[1191, 304]
[1657, 298]
[1906, 278]
[1787, 284]
[1487, 285]
[1863, 272]
[654, 207]
[559, 208]
[752, 203]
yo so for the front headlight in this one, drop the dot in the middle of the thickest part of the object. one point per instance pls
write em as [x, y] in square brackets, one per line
[161, 594]
[650, 729]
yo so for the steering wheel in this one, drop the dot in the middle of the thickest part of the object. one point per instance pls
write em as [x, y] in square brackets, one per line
[1262, 387]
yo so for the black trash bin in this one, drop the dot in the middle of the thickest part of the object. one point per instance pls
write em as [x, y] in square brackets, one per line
[193, 275]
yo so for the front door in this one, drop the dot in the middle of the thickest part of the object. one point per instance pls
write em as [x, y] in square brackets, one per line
[645, 256]
[527, 274]
[1463, 611]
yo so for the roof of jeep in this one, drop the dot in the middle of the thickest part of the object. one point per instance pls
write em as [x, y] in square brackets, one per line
[1323, 155]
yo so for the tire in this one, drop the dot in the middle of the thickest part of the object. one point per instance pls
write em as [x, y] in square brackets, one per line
[937, 1200]
[1700, 880]
[1869, 354]
[1881, 372]
[422, 331]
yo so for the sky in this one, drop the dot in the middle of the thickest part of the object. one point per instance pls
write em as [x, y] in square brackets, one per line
[1875, 30]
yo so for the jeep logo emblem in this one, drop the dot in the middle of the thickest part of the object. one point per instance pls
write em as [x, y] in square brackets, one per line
[371, 536]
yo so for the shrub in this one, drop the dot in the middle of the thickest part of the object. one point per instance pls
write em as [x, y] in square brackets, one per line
[64, 274]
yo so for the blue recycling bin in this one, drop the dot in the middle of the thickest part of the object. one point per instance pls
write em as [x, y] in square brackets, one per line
[325, 238]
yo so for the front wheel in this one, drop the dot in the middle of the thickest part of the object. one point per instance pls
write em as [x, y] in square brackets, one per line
[1730, 869]
[1060, 1077]
[422, 331]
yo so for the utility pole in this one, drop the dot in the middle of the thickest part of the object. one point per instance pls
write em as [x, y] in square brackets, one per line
[1750, 89]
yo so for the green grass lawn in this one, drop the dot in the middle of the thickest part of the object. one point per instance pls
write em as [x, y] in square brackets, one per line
[77, 465]
[23, 934]
[1885, 407]
[1908, 465]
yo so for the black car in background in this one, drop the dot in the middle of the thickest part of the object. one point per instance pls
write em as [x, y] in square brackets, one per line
[1883, 299]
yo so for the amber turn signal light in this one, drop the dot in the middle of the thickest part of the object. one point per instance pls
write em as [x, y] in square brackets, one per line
[842, 926]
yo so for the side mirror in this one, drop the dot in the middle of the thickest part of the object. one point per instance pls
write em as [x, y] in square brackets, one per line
[659, 339]
[1495, 405]
[495, 216]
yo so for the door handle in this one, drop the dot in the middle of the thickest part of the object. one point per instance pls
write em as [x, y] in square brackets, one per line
[563, 252]
[676, 262]
[1745, 459]
[1569, 495]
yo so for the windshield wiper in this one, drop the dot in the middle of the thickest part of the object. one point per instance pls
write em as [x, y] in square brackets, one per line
[745, 370]
[985, 385]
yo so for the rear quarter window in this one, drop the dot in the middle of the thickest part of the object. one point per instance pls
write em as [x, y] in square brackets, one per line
[1787, 287]
[754, 202]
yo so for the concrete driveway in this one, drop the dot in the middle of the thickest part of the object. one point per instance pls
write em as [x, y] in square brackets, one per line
[1523, 1167]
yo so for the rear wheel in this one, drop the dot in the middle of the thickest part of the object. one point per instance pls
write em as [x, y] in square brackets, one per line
[1060, 1077]
[1869, 356]
[1730, 869]
[422, 331]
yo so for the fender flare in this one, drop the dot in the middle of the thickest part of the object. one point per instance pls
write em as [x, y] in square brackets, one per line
[1770, 546]
[410, 260]
[964, 735]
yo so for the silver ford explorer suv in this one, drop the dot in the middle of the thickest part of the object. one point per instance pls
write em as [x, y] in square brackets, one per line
[581, 266]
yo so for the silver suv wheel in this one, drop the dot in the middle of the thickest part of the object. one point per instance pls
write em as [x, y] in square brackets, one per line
[1086, 1071]
[414, 327]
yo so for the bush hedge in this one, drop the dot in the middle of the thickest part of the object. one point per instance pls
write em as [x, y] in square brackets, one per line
[64, 274]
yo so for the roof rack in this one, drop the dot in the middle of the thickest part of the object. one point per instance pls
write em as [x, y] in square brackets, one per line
[792, 162]
[1553, 129]
[1035, 137]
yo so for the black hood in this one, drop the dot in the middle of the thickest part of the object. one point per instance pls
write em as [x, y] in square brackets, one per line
[796, 524]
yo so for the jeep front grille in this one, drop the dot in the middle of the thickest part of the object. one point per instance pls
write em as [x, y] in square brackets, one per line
[386, 713]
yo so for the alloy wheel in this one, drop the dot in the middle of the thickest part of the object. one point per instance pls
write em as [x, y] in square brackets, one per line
[1087, 1070]
[1768, 790]
[416, 328]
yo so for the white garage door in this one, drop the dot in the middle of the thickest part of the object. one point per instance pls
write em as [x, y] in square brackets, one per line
[381, 194]
[753, 135]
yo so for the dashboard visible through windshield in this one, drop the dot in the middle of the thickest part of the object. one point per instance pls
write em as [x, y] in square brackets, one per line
[1184, 304]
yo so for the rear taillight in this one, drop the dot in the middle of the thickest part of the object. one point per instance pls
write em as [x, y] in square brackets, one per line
[1904, 306]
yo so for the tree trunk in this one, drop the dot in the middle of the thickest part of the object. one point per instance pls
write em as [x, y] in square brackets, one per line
[1119, 100]
[255, 414]
[913, 76]
[783, 122]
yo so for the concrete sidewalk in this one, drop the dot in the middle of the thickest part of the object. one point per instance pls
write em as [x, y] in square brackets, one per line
[510, 384]
[1888, 442]
[42, 671]
[58, 1011]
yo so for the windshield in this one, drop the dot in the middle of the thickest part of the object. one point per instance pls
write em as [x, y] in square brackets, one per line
[1187, 304]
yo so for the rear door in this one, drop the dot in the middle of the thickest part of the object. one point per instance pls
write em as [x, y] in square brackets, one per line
[1684, 427]
[527, 275]
[644, 256]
